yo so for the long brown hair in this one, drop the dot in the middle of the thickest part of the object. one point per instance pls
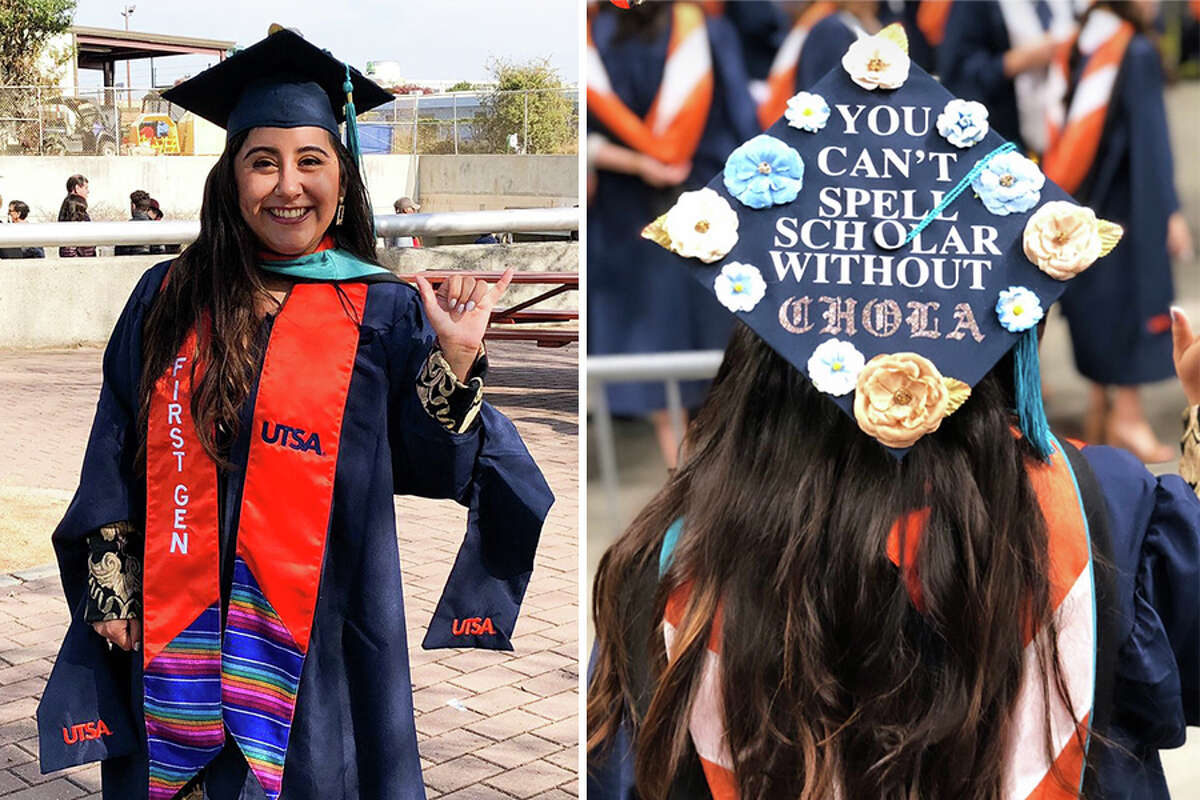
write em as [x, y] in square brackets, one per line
[831, 678]
[217, 279]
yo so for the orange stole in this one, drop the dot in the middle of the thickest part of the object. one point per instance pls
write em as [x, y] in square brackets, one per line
[1029, 773]
[781, 81]
[672, 128]
[1074, 133]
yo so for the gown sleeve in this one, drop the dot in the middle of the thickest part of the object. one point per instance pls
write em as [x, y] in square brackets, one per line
[1156, 548]
[89, 684]
[488, 470]
[970, 61]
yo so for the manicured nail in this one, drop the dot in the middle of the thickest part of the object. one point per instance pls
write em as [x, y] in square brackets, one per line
[470, 305]
[462, 307]
[137, 646]
[1176, 312]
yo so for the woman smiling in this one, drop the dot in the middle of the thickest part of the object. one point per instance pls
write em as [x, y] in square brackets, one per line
[265, 395]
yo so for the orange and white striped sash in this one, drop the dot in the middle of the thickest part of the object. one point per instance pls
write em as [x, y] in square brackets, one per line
[1074, 133]
[1030, 772]
[672, 129]
[781, 80]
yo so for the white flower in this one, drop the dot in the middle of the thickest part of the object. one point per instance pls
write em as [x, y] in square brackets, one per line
[739, 287]
[875, 62]
[834, 366]
[963, 123]
[1019, 309]
[702, 225]
[807, 111]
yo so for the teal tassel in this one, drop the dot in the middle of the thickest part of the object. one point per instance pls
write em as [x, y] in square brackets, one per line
[352, 129]
[351, 121]
[1027, 379]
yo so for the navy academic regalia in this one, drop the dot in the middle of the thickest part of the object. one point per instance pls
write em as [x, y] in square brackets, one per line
[353, 733]
[1119, 313]
[1150, 650]
[824, 47]
[760, 27]
[970, 63]
[639, 300]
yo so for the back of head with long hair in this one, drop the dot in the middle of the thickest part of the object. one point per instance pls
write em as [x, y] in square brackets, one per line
[215, 281]
[832, 680]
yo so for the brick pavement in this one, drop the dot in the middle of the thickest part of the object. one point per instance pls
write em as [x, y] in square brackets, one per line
[490, 725]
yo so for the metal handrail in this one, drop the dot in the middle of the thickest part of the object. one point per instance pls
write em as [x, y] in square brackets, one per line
[445, 223]
[667, 368]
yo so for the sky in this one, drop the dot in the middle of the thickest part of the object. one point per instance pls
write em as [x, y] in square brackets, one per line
[430, 39]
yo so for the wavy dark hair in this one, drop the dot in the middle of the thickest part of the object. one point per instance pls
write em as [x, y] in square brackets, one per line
[831, 678]
[216, 279]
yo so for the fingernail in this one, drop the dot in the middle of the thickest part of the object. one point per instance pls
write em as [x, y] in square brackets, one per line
[137, 646]
[462, 307]
[1176, 312]
[470, 305]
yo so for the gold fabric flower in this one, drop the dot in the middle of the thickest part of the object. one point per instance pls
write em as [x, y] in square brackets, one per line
[899, 398]
[1064, 239]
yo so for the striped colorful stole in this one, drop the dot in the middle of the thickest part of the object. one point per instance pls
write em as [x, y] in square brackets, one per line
[1031, 773]
[672, 128]
[1074, 133]
[197, 684]
[781, 80]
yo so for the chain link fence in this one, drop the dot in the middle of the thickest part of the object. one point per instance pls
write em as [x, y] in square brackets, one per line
[41, 120]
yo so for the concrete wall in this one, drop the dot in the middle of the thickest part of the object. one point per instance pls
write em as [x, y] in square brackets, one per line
[439, 183]
[55, 302]
[477, 183]
[177, 182]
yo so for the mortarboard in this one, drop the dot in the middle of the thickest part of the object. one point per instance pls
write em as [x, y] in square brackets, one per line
[888, 245]
[282, 81]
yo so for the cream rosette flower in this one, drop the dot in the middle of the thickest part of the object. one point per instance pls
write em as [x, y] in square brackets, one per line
[701, 225]
[876, 62]
[899, 398]
[739, 287]
[834, 366]
[1064, 239]
[807, 111]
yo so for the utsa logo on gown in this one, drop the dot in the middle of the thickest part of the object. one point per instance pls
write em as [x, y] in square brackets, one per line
[287, 436]
[198, 683]
[1029, 772]
[85, 731]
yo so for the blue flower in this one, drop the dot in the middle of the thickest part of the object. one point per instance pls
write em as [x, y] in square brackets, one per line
[963, 123]
[1009, 184]
[764, 172]
[1019, 309]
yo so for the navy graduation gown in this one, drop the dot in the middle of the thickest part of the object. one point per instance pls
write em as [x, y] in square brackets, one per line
[1146, 532]
[353, 733]
[823, 49]
[970, 63]
[640, 300]
[1118, 310]
[761, 28]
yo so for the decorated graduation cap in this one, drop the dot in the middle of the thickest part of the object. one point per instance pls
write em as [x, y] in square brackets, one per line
[889, 245]
[282, 81]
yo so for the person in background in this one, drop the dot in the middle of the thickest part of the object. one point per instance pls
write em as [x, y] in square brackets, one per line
[139, 205]
[156, 215]
[18, 213]
[999, 54]
[404, 205]
[829, 38]
[74, 209]
[639, 301]
[1110, 148]
[77, 186]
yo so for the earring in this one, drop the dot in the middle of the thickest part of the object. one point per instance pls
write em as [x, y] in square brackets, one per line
[341, 211]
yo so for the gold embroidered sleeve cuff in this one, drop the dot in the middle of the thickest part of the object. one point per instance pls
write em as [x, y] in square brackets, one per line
[114, 574]
[452, 403]
[1189, 445]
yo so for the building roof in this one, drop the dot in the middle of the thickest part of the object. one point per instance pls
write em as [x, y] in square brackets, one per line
[98, 46]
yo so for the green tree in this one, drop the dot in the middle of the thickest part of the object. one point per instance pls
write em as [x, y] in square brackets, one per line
[461, 86]
[531, 101]
[25, 28]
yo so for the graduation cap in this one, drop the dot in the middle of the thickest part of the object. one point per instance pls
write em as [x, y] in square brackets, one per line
[282, 81]
[888, 244]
